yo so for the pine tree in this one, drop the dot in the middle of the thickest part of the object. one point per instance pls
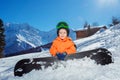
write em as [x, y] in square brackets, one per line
[95, 24]
[85, 24]
[2, 38]
[89, 30]
[115, 21]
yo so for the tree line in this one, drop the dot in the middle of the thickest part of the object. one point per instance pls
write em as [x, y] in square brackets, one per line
[115, 21]
[2, 39]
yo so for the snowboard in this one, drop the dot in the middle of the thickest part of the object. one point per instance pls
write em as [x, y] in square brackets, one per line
[101, 56]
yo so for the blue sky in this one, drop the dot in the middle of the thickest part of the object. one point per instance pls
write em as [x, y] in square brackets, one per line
[45, 14]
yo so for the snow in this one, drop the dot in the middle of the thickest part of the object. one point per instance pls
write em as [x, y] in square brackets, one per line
[21, 38]
[77, 69]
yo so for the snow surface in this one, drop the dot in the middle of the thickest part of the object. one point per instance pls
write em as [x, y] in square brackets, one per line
[80, 69]
[21, 38]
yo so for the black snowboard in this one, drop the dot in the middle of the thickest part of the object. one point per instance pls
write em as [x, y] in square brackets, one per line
[101, 56]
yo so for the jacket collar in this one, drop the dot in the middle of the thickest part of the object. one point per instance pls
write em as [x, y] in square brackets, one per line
[65, 39]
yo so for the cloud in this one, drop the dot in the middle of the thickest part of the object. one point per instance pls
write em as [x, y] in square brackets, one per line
[107, 3]
[80, 18]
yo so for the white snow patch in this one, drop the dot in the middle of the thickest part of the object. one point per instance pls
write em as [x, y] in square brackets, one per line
[21, 38]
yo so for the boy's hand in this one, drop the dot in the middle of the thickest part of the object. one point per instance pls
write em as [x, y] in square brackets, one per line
[61, 56]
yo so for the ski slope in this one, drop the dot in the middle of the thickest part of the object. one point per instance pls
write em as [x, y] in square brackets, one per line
[80, 69]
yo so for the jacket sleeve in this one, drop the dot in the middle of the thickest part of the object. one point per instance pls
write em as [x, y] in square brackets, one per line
[71, 49]
[53, 49]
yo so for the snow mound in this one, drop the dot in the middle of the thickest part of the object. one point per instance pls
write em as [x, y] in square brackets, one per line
[81, 69]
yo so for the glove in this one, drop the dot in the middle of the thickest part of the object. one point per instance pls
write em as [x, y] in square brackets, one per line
[61, 56]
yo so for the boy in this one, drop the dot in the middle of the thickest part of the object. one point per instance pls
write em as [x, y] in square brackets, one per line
[62, 45]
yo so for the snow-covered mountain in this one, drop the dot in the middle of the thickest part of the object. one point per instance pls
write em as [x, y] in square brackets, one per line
[80, 69]
[20, 37]
[23, 36]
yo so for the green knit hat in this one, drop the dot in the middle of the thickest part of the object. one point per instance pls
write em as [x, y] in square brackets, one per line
[62, 25]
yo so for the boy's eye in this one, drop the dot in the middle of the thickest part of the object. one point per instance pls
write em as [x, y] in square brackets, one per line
[62, 32]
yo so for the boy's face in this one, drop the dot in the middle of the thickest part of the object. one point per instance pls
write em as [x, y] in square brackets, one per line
[62, 33]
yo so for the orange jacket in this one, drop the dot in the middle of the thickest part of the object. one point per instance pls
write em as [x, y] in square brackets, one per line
[65, 45]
